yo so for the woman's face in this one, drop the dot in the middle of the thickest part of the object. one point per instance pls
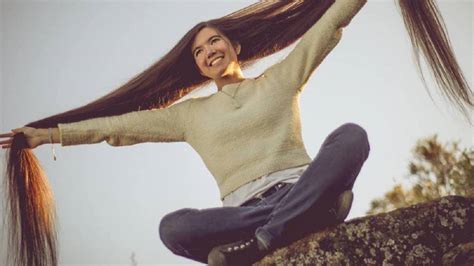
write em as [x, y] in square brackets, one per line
[209, 45]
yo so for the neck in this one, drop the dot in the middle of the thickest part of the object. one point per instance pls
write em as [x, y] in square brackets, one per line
[229, 80]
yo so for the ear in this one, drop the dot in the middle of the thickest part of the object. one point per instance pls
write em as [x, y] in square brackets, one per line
[238, 48]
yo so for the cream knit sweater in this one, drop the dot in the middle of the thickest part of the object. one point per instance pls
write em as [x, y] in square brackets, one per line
[245, 131]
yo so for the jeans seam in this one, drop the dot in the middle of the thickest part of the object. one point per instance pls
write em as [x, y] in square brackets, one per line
[278, 204]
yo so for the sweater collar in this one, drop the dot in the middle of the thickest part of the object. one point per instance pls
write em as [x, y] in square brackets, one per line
[231, 87]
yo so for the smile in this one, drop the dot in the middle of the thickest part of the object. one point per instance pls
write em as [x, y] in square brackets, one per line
[216, 61]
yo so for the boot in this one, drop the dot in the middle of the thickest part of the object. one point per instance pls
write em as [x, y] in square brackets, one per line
[239, 253]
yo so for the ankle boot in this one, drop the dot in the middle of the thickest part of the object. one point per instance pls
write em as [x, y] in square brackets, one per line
[240, 253]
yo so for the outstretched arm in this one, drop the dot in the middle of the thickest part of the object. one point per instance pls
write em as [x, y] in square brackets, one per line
[156, 125]
[293, 72]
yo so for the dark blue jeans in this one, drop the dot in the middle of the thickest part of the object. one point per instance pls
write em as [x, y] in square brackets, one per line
[281, 218]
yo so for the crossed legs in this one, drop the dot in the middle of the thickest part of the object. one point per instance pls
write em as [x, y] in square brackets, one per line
[286, 215]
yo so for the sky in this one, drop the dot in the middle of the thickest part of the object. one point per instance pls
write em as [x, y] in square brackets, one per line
[56, 56]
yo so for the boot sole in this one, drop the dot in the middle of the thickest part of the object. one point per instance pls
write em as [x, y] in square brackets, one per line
[343, 205]
[215, 258]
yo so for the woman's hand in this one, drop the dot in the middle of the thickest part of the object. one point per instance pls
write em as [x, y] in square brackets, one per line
[33, 137]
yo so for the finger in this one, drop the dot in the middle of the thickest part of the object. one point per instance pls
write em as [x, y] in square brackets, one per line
[18, 130]
[7, 134]
[5, 141]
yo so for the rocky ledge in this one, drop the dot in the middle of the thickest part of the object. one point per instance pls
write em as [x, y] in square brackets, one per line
[439, 232]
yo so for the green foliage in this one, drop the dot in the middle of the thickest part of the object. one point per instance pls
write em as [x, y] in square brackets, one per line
[435, 171]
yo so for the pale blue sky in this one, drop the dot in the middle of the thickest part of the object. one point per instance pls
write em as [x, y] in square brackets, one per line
[58, 56]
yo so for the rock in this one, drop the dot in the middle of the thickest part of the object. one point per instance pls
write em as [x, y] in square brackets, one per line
[439, 232]
[462, 254]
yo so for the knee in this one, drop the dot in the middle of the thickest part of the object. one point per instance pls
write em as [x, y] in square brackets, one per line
[172, 230]
[356, 135]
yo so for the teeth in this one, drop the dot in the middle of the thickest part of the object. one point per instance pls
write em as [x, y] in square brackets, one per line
[216, 60]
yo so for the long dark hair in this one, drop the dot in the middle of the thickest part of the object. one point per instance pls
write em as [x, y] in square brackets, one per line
[262, 29]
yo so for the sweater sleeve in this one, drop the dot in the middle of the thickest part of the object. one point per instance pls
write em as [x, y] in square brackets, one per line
[294, 71]
[154, 125]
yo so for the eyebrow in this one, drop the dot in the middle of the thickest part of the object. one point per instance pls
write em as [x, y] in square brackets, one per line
[215, 35]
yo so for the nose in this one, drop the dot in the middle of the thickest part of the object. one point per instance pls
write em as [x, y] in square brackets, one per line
[210, 53]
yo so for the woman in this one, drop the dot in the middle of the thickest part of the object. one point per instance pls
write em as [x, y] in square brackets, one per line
[248, 134]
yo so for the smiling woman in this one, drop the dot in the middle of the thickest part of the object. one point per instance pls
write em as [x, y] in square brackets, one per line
[253, 147]
[217, 57]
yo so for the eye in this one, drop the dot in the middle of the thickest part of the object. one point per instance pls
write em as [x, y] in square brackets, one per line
[212, 41]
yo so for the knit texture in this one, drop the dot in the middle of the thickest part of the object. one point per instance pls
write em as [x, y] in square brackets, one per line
[246, 130]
